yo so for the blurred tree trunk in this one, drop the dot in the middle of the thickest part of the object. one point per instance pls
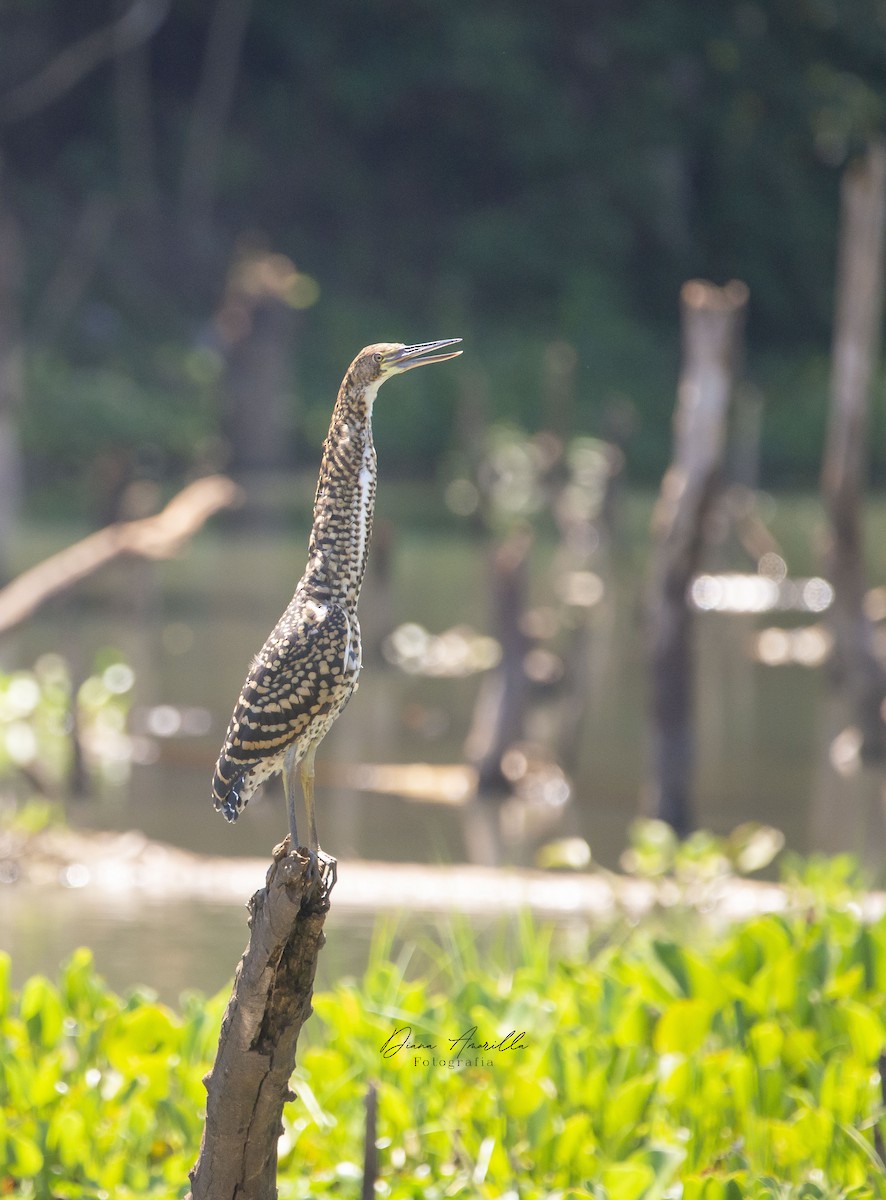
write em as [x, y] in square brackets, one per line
[859, 309]
[712, 325]
[500, 710]
[256, 327]
[584, 511]
[209, 117]
[256, 389]
[11, 379]
[75, 269]
[135, 136]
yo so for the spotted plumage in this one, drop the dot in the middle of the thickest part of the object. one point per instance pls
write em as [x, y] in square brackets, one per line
[309, 667]
[297, 685]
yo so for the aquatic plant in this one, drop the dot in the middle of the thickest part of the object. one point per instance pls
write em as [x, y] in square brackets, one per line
[743, 1062]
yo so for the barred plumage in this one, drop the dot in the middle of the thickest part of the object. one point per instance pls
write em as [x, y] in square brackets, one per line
[308, 668]
[297, 685]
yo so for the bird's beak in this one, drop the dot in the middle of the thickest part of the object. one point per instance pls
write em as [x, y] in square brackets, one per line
[408, 357]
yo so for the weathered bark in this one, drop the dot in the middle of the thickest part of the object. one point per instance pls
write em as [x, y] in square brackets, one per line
[859, 308]
[712, 323]
[249, 1082]
[160, 536]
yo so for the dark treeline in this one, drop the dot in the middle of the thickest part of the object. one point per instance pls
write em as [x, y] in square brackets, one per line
[522, 175]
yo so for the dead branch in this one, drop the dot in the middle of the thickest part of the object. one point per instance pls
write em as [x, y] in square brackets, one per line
[140, 22]
[249, 1082]
[160, 536]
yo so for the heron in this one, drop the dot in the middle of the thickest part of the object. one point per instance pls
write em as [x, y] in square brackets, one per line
[309, 666]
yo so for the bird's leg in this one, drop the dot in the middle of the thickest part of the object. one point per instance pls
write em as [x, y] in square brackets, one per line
[289, 764]
[307, 787]
[315, 854]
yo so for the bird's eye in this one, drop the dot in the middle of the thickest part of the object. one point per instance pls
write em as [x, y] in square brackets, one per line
[377, 356]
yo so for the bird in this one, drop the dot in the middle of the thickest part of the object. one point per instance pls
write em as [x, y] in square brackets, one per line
[309, 666]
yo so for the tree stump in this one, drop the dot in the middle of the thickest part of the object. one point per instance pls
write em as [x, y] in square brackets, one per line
[712, 325]
[249, 1082]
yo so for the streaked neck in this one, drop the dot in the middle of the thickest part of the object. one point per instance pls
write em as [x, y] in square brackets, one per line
[345, 501]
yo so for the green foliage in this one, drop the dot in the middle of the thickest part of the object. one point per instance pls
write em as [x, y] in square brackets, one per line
[516, 174]
[655, 851]
[155, 410]
[737, 1064]
[746, 1066]
[99, 1096]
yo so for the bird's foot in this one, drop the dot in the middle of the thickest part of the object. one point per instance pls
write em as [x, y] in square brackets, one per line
[320, 869]
[328, 870]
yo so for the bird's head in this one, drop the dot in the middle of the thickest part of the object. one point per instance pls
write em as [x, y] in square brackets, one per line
[377, 363]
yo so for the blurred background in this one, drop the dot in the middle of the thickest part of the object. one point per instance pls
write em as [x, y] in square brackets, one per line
[207, 209]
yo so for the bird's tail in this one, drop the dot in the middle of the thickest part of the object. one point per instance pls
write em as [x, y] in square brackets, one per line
[227, 783]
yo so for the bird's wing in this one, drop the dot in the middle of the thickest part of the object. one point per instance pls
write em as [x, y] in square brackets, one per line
[294, 682]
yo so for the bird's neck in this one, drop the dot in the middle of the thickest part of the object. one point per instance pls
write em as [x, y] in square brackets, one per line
[344, 503]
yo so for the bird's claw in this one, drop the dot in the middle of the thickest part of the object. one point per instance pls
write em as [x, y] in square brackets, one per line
[320, 868]
[329, 870]
[322, 871]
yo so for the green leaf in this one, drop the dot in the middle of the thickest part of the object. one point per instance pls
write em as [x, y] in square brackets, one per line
[624, 1109]
[865, 1030]
[861, 1143]
[147, 1030]
[766, 1041]
[5, 988]
[25, 1159]
[683, 1028]
[575, 1136]
[524, 1095]
[670, 955]
[41, 1010]
[632, 1025]
[627, 1181]
[67, 1134]
[754, 846]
